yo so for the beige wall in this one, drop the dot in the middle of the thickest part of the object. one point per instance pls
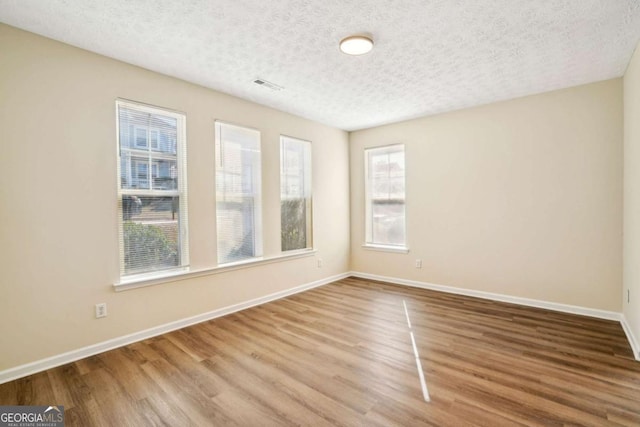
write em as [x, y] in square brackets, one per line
[631, 308]
[58, 199]
[522, 198]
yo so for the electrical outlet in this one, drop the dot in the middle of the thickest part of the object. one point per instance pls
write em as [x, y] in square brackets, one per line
[418, 263]
[101, 310]
[319, 263]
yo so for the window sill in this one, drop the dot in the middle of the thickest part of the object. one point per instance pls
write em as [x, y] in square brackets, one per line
[184, 273]
[383, 248]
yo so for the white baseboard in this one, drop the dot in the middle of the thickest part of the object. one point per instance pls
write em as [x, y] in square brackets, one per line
[565, 308]
[631, 338]
[71, 356]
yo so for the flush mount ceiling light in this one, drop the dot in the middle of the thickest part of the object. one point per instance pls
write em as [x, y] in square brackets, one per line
[356, 45]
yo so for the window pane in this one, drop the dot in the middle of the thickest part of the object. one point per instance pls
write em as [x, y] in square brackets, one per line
[388, 223]
[140, 137]
[385, 193]
[164, 174]
[152, 191]
[140, 175]
[236, 230]
[295, 193]
[153, 137]
[150, 233]
[147, 139]
[238, 192]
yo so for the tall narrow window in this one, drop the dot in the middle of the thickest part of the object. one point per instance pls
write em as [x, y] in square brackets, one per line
[238, 193]
[152, 190]
[295, 193]
[385, 207]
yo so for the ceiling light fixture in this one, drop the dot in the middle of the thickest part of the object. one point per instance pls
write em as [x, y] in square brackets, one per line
[356, 45]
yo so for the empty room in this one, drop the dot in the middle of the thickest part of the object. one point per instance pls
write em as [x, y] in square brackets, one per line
[308, 213]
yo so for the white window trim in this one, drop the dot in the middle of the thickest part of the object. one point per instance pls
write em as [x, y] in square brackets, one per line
[386, 248]
[178, 274]
[377, 246]
[181, 191]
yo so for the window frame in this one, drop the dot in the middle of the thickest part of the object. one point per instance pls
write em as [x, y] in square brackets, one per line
[308, 187]
[180, 192]
[257, 237]
[369, 242]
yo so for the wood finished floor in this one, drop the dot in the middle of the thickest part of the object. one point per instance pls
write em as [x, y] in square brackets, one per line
[342, 355]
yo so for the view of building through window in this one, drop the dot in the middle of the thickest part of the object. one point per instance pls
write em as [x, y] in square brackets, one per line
[151, 189]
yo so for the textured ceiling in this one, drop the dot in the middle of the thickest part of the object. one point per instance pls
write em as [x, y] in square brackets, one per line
[430, 56]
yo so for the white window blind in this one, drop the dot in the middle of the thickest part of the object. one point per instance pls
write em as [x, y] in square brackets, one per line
[385, 196]
[238, 193]
[295, 194]
[151, 189]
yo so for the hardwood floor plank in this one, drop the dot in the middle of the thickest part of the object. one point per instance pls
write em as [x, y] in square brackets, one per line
[68, 386]
[34, 390]
[264, 392]
[124, 369]
[183, 363]
[150, 415]
[184, 396]
[78, 416]
[168, 409]
[115, 405]
[248, 412]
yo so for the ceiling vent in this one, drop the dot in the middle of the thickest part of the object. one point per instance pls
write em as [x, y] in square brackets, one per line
[267, 84]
